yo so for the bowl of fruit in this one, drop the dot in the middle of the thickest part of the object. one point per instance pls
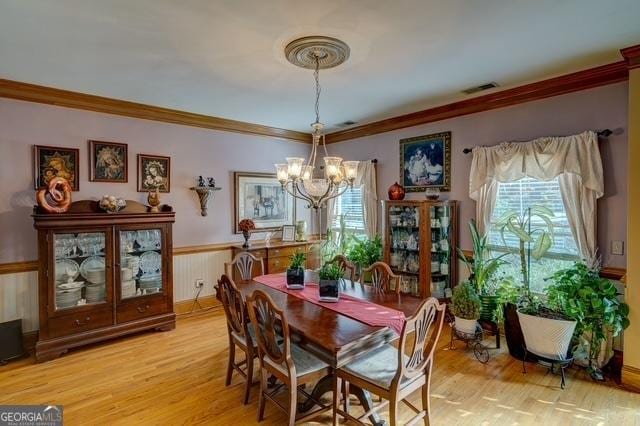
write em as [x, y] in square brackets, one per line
[112, 204]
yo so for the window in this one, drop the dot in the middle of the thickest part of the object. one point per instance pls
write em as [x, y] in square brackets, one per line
[518, 196]
[348, 207]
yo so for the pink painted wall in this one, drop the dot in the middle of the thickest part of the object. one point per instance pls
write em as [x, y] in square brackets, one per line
[193, 152]
[599, 108]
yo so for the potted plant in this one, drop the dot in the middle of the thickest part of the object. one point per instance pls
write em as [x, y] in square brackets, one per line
[364, 253]
[482, 271]
[465, 308]
[527, 231]
[330, 275]
[583, 296]
[295, 272]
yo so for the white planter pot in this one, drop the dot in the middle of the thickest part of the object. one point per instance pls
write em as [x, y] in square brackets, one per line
[546, 337]
[311, 276]
[467, 326]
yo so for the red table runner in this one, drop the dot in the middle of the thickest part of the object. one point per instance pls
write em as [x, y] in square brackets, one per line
[353, 307]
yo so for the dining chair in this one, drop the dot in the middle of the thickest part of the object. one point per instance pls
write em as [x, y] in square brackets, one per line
[240, 333]
[278, 356]
[244, 262]
[394, 373]
[382, 277]
[346, 265]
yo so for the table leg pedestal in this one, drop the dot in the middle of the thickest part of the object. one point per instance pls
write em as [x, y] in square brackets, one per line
[325, 385]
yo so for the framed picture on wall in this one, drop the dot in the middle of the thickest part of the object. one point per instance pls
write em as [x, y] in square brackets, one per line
[154, 172]
[50, 162]
[425, 162]
[260, 197]
[107, 162]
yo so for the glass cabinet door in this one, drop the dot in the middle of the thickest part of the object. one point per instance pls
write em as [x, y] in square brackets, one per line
[441, 256]
[140, 262]
[79, 269]
[404, 247]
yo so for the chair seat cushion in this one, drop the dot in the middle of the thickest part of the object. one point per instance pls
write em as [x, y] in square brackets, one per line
[378, 366]
[240, 338]
[304, 361]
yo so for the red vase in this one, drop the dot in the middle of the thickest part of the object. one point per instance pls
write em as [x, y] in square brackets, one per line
[396, 192]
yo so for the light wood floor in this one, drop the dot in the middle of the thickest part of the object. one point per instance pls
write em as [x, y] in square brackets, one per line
[177, 377]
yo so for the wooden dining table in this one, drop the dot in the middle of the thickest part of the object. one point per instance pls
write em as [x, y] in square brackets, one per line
[334, 337]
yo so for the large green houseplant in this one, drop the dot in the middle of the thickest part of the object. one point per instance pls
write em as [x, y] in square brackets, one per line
[592, 301]
[483, 268]
[364, 253]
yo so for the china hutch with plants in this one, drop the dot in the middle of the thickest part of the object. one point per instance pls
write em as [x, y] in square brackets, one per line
[420, 245]
[102, 275]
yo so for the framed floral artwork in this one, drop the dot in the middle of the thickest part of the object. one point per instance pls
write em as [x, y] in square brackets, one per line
[261, 198]
[108, 162]
[425, 162]
[154, 172]
[51, 161]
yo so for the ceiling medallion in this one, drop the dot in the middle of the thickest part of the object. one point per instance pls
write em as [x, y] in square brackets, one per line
[330, 52]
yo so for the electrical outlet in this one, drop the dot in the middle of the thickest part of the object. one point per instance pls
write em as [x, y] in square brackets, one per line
[199, 283]
[617, 247]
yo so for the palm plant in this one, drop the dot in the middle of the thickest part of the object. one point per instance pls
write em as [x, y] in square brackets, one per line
[482, 267]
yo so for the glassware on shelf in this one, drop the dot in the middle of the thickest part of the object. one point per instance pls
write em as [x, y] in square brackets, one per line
[141, 270]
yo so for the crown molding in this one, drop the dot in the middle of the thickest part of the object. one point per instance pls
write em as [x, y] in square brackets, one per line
[65, 98]
[631, 56]
[581, 80]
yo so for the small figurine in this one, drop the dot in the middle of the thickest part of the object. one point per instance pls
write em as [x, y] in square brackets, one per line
[212, 182]
[201, 181]
[56, 197]
[153, 198]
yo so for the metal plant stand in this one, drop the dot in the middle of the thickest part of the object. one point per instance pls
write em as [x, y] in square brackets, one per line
[473, 341]
[550, 363]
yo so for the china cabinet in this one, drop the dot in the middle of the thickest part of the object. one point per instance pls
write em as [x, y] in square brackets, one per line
[102, 275]
[420, 244]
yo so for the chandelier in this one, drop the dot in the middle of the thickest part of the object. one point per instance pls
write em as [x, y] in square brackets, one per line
[300, 178]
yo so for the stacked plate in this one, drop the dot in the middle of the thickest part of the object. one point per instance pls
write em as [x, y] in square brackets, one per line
[151, 283]
[66, 298]
[93, 269]
[95, 293]
[128, 289]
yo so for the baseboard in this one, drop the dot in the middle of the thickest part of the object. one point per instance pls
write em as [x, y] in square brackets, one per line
[631, 378]
[187, 306]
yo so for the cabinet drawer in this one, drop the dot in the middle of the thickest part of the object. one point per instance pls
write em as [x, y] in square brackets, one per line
[81, 321]
[277, 264]
[285, 251]
[137, 309]
[259, 253]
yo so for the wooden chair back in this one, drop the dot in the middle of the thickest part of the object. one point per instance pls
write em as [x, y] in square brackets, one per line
[382, 276]
[244, 262]
[271, 327]
[426, 326]
[347, 266]
[234, 306]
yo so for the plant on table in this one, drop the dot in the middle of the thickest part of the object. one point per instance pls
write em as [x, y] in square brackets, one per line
[295, 272]
[465, 306]
[330, 272]
[583, 296]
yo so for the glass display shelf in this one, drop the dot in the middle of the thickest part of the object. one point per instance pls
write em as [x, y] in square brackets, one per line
[141, 263]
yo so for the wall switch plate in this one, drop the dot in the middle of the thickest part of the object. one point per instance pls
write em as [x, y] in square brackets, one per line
[199, 283]
[617, 247]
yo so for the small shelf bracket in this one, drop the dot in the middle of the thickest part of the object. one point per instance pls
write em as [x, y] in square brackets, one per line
[204, 194]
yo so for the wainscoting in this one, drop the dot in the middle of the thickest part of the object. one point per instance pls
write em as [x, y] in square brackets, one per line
[19, 291]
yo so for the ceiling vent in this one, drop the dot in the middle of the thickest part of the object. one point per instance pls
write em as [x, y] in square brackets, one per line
[480, 88]
[346, 123]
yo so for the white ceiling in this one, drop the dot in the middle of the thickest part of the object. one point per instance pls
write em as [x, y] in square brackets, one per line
[225, 58]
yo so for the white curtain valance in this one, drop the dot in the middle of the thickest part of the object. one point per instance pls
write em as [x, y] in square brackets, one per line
[544, 159]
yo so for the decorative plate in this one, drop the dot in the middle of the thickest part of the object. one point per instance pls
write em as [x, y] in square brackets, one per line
[65, 269]
[71, 286]
[150, 262]
[93, 263]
